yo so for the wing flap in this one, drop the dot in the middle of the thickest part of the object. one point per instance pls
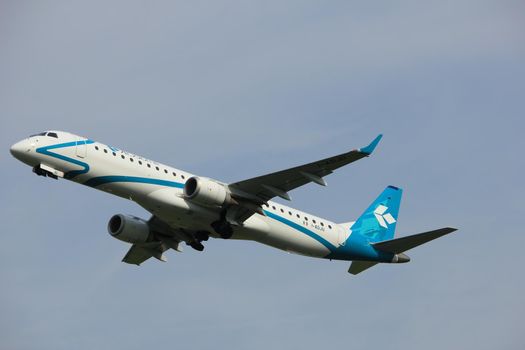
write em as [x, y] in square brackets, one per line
[138, 253]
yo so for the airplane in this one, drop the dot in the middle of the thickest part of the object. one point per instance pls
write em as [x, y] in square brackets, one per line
[190, 209]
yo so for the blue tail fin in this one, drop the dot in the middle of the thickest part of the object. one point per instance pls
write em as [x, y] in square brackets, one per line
[378, 222]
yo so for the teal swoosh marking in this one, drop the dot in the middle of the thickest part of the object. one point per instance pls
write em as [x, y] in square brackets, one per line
[302, 229]
[70, 174]
[102, 180]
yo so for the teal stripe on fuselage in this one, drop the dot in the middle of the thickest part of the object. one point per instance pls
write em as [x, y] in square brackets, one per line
[355, 248]
[302, 229]
[70, 174]
[102, 180]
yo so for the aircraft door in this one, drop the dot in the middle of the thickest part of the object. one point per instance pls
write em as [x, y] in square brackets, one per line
[342, 236]
[81, 149]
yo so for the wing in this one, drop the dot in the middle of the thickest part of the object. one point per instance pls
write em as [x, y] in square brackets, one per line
[165, 238]
[254, 192]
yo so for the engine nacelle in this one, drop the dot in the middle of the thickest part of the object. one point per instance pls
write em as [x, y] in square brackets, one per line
[207, 192]
[129, 228]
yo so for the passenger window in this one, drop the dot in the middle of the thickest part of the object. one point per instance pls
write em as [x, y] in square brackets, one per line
[298, 216]
[305, 218]
[166, 171]
[96, 147]
[123, 157]
[149, 165]
[330, 227]
[313, 221]
[131, 159]
[289, 213]
[174, 174]
[182, 176]
[273, 207]
[140, 162]
[322, 224]
[105, 150]
[157, 168]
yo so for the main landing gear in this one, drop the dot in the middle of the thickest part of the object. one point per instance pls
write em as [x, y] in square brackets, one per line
[197, 246]
[223, 228]
[200, 236]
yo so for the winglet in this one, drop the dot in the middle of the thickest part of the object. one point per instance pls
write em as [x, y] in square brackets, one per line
[370, 148]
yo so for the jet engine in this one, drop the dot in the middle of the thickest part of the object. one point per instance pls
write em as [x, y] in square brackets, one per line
[207, 192]
[129, 229]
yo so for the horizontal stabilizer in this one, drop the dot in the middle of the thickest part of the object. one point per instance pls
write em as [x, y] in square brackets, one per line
[360, 266]
[400, 245]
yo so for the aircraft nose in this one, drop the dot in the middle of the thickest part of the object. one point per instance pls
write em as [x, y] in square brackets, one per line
[18, 149]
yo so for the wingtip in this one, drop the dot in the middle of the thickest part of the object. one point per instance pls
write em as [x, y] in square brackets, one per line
[371, 147]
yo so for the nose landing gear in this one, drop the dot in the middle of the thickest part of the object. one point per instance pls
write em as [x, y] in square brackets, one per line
[45, 173]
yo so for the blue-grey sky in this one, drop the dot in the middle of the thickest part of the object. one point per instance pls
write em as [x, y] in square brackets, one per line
[234, 89]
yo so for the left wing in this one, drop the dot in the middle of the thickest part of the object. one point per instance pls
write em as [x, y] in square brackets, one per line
[252, 193]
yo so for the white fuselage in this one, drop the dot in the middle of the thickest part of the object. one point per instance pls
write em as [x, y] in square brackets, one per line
[158, 188]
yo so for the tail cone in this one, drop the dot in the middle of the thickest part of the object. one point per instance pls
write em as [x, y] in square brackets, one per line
[400, 258]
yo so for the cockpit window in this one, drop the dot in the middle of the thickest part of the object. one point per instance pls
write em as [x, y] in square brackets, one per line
[45, 133]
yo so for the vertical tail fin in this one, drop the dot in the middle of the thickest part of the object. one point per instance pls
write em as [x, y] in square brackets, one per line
[378, 222]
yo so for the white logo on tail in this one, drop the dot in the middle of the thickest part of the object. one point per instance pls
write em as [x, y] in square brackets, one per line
[383, 219]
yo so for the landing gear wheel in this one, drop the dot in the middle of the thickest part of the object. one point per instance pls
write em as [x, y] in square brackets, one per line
[202, 236]
[197, 246]
[223, 228]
